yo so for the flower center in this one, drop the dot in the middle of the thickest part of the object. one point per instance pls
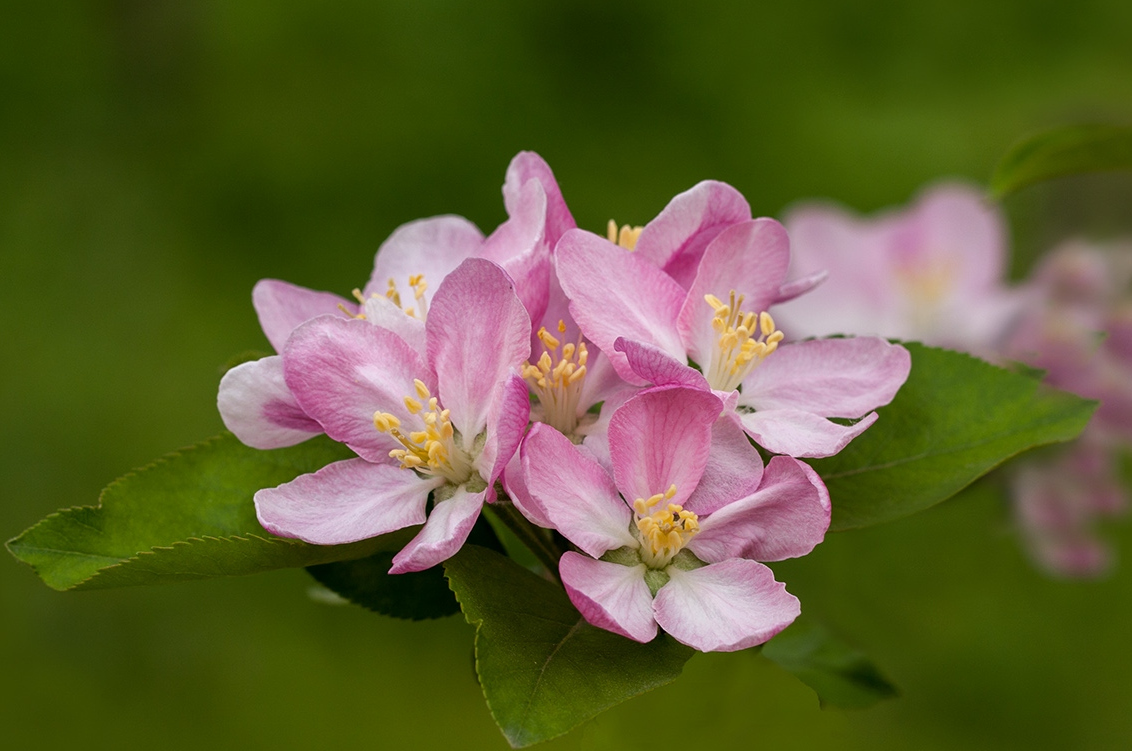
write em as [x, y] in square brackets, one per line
[432, 450]
[626, 237]
[556, 379]
[743, 340]
[664, 531]
[418, 286]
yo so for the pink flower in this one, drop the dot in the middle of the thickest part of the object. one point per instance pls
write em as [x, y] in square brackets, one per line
[1082, 337]
[683, 552]
[444, 423]
[254, 400]
[932, 272]
[652, 328]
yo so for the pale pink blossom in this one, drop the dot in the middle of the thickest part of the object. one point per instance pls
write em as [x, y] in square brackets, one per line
[653, 329]
[932, 272]
[673, 534]
[443, 422]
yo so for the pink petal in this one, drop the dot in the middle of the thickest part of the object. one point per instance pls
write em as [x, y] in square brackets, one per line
[341, 371]
[609, 595]
[750, 258]
[734, 469]
[478, 334]
[829, 377]
[724, 607]
[433, 247]
[785, 518]
[660, 438]
[956, 223]
[515, 485]
[574, 493]
[798, 433]
[675, 240]
[657, 367]
[257, 406]
[520, 246]
[282, 307]
[448, 526]
[526, 166]
[787, 291]
[506, 424]
[614, 293]
[380, 311]
[345, 502]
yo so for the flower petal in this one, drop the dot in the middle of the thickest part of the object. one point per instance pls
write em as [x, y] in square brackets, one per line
[659, 438]
[506, 424]
[448, 526]
[675, 240]
[615, 293]
[733, 470]
[282, 307]
[574, 493]
[515, 486]
[795, 432]
[382, 312]
[520, 247]
[433, 247]
[724, 607]
[345, 502]
[257, 406]
[750, 258]
[658, 367]
[785, 518]
[526, 166]
[478, 334]
[609, 595]
[829, 377]
[341, 371]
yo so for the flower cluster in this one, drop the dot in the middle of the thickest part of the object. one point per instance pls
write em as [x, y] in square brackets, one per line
[617, 388]
[934, 272]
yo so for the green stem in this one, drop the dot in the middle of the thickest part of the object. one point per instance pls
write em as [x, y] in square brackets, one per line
[533, 537]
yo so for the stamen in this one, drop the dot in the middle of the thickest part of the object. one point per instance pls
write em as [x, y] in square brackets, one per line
[556, 378]
[430, 451]
[626, 237]
[665, 531]
[745, 340]
[418, 286]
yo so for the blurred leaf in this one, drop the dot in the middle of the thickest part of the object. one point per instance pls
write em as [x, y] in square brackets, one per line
[840, 675]
[187, 516]
[955, 419]
[543, 669]
[415, 596]
[1060, 152]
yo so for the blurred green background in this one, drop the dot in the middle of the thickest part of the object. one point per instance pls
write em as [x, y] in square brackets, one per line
[158, 157]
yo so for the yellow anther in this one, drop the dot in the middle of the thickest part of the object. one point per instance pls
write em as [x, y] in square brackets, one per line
[665, 531]
[385, 422]
[556, 378]
[626, 236]
[744, 340]
[548, 340]
[412, 405]
[422, 391]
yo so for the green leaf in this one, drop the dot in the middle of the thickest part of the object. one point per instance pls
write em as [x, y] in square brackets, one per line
[955, 419]
[414, 596]
[187, 516]
[543, 669]
[1063, 151]
[840, 675]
